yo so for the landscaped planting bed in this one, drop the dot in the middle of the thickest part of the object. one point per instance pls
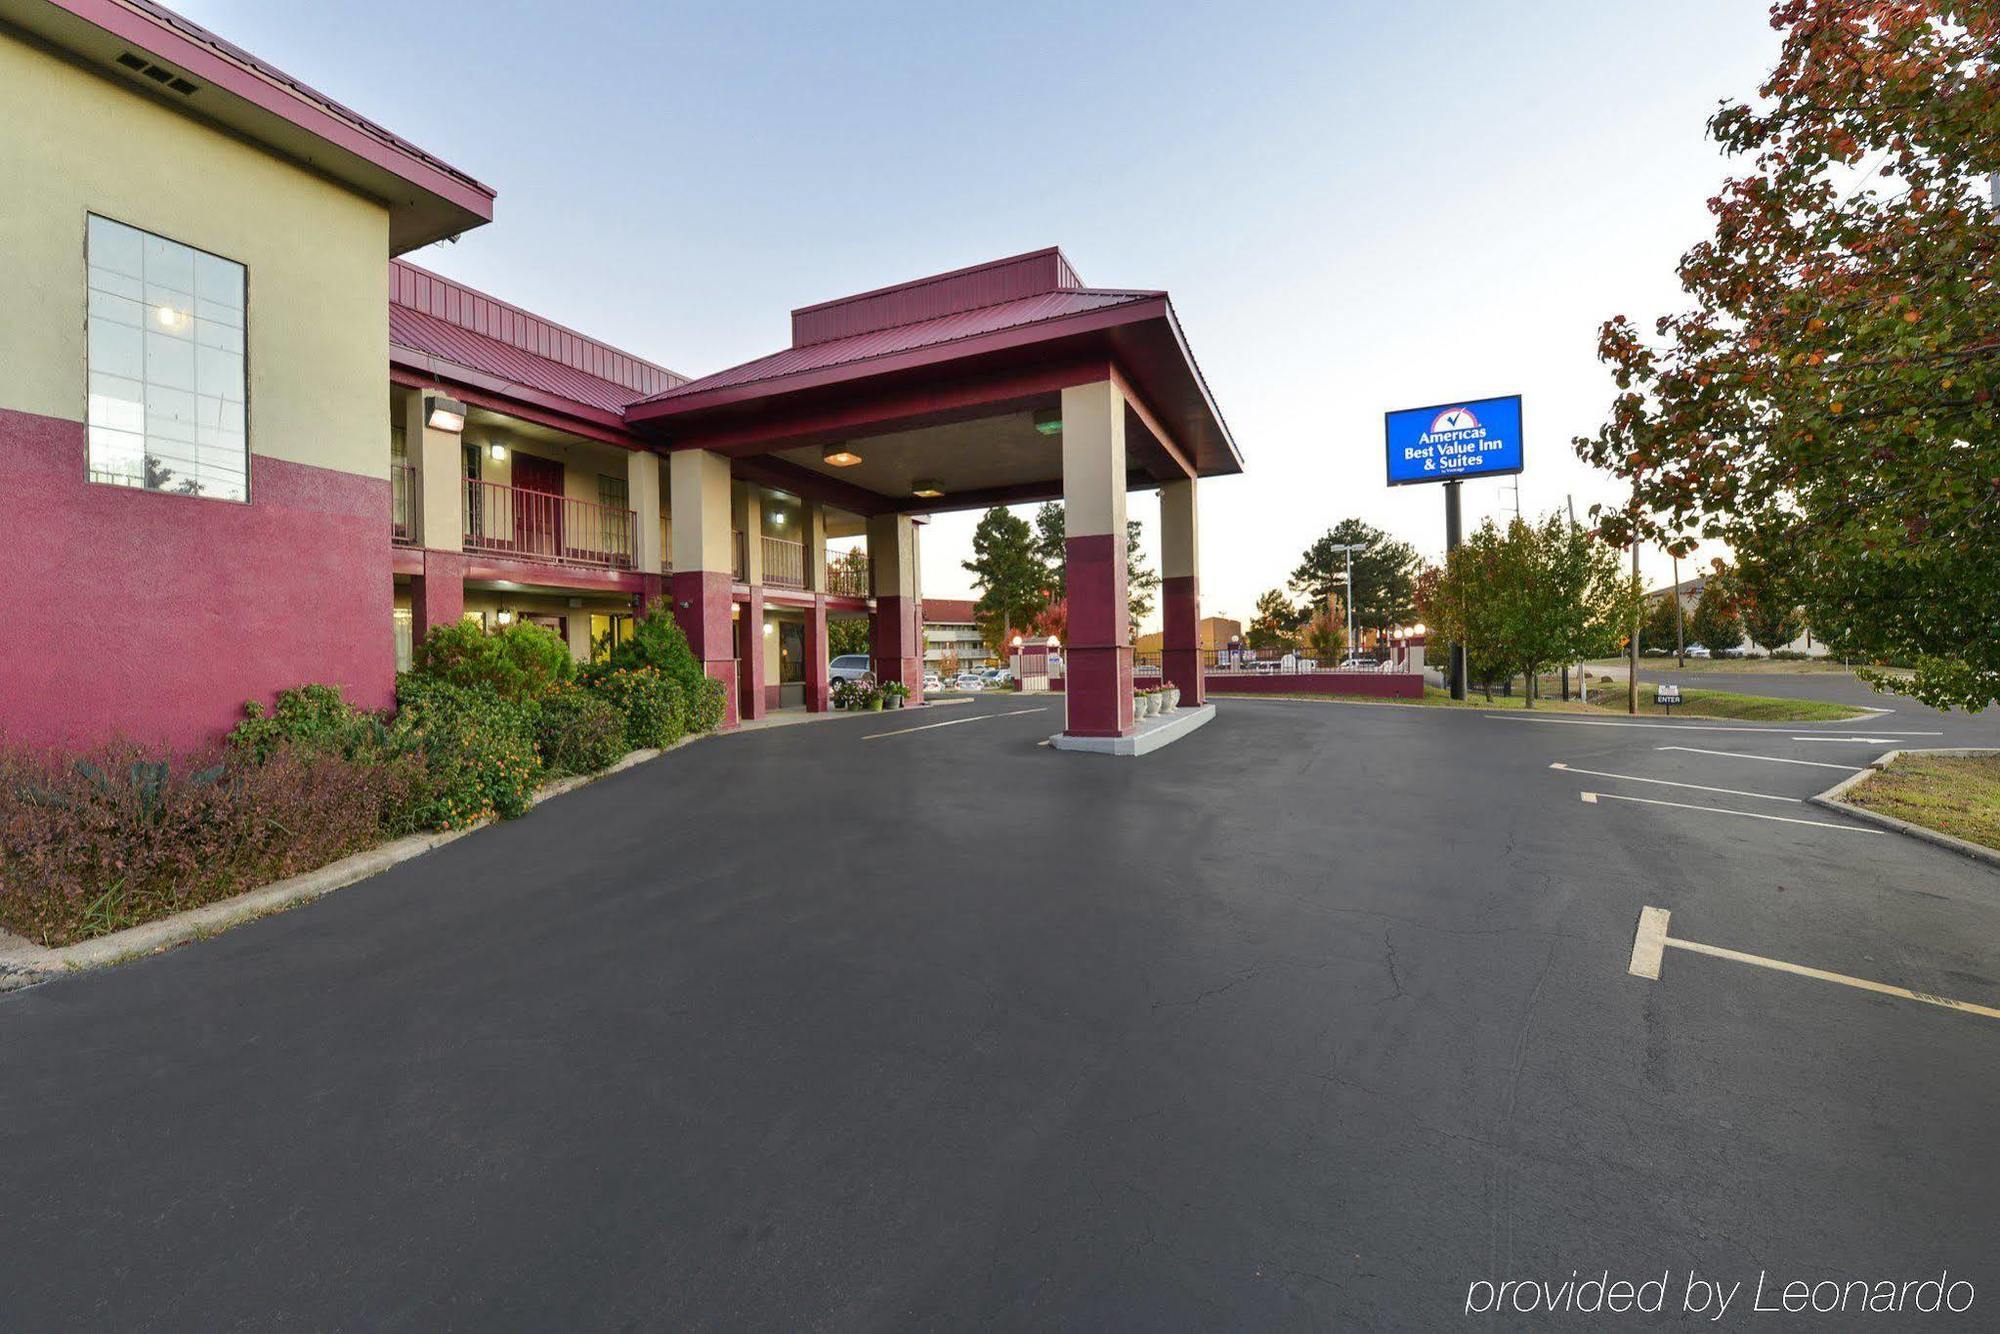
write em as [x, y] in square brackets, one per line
[98, 842]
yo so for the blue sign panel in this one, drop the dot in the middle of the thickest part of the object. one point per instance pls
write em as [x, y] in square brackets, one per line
[1478, 437]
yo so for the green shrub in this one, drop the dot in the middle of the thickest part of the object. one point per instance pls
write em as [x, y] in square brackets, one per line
[312, 718]
[647, 700]
[479, 750]
[657, 642]
[519, 662]
[577, 732]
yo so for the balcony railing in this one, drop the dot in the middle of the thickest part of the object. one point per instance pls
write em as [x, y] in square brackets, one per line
[406, 506]
[536, 525]
[847, 578]
[784, 563]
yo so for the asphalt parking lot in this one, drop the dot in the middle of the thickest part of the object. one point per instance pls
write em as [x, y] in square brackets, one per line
[1315, 1018]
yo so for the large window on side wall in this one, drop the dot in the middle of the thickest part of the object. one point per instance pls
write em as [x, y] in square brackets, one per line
[167, 380]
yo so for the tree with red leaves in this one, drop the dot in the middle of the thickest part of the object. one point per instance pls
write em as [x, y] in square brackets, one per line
[1827, 405]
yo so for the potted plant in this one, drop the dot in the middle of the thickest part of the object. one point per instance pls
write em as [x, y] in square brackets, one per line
[871, 699]
[1173, 694]
[893, 694]
[844, 693]
[1144, 701]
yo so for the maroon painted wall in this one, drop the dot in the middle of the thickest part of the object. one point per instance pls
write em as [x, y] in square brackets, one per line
[1383, 685]
[152, 617]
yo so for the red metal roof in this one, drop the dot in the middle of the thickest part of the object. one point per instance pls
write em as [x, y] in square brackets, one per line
[986, 284]
[859, 347]
[452, 325]
[948, 611]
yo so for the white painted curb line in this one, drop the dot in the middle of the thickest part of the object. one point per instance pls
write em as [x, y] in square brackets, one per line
[1832, 799]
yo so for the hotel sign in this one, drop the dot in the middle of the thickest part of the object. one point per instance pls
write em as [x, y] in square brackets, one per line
[1479, 437]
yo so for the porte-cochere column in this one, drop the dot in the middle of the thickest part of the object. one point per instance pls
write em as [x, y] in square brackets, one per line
[1180, 589]
[1099, 656]
[704, 557]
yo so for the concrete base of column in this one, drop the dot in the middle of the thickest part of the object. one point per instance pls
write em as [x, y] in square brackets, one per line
[895, 645]
[1098, 662]
[818, 689]
[701, 605]
[750, 657]
[1181, 659]
[437, 596]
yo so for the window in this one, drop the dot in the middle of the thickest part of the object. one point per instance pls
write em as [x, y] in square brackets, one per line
[406, 628]
[167, 383]
[611, 491]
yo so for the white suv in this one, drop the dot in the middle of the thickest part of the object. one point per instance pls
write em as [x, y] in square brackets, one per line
[848, 667]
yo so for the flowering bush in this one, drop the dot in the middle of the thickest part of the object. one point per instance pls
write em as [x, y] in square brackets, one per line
[479, 750]
[521, 661]
[658, 642]
[646, 699]
[121, 836]
[577, 732]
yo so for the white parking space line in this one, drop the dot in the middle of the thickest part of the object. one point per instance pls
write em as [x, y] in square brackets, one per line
[1773, 759]
[1594, 797]
[1671, 727]
[1651, 941]
[953, 722]
[1664, 782]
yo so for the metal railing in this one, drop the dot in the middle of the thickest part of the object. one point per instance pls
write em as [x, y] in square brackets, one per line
[847, 578]
[1280, 662]
[406, 506]
[537, 525]
[784, 563]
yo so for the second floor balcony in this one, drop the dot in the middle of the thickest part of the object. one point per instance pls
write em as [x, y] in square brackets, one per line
[537, 525]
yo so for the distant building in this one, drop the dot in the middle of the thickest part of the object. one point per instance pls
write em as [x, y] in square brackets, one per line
[1216, 632]
[950, 630]
[1690, 594]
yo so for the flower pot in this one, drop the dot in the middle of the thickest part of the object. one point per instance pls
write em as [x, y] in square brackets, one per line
[1173, 698]
[874, 706]
[1148, 705]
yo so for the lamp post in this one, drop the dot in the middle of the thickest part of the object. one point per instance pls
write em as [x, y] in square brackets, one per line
[1348, 549]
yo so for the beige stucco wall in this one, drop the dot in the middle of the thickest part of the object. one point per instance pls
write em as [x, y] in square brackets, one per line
[318, 333]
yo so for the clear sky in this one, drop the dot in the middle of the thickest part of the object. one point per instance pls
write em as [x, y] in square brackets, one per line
[1355, 206]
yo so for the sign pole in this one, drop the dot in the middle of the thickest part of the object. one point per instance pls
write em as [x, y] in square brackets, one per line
[1451, 540]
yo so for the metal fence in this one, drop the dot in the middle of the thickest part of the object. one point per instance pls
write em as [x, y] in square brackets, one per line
[784, 563]
[847, 578]
[542, 526]
[1268, 662]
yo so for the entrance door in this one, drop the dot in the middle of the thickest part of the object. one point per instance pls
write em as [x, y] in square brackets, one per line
[538, 492]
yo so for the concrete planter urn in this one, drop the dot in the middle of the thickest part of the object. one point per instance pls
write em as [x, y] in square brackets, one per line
[1171, 699]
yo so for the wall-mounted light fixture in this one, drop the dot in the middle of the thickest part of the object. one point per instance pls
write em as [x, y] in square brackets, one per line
[840, 456]
[1049, 421]
[1054, 642]
[769, 629]
[497, 452]
[442, 413]
[504, 617]
[927, 487]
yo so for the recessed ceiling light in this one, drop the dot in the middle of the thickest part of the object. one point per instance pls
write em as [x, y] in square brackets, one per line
[927, 487]
[840, 456]
[1049, 421]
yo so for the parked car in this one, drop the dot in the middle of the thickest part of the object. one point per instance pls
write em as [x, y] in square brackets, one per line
[998, 676]
[1358, 665]
[969, 681]
[1697, 651]
[932, 681]
[848, 667]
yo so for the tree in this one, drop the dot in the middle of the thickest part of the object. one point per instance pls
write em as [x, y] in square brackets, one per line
[846, 634]
[1661, 626]
[1826, 404]
[1012, 582]
[1051, 544]
[1771, 626]
[1140, 582]
[1385, 575]
[1532, 595]
[1326, 637]
[1277, 621]
[1715, 624]
[1054, 620]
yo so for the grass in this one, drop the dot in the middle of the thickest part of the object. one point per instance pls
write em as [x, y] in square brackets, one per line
[1734, 666]
[1610, 700]
[1953, 794]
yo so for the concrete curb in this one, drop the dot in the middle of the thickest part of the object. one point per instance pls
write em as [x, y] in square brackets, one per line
[24, 963]
[1150, 737]
[1832, 799]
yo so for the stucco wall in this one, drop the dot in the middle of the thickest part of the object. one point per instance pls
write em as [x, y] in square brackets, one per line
[316, 254]
[154, 616]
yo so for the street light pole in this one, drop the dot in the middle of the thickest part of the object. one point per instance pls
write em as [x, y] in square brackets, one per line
[1348, 549]
[1680, 635]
